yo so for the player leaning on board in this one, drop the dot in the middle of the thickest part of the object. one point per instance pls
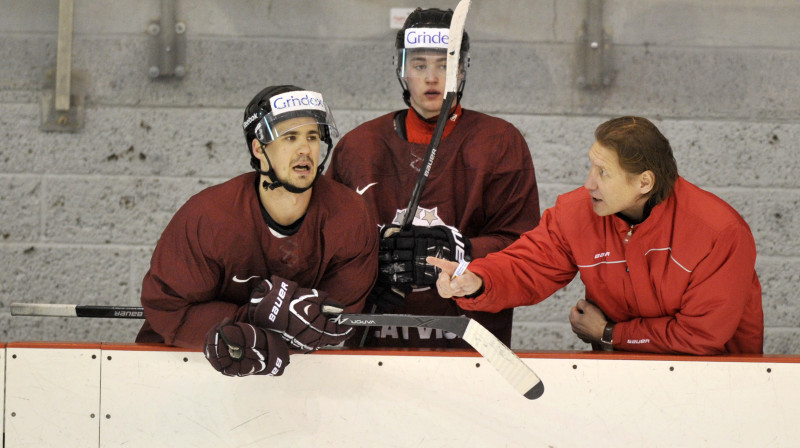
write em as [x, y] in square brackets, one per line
[243, 267]
[668, 267]
[480, 196]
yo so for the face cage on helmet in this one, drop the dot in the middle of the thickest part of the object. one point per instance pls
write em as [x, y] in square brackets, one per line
[266, 129]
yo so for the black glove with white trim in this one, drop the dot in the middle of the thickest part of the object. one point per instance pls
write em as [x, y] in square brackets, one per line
[296, 314]
[402, 253]
[241, 349]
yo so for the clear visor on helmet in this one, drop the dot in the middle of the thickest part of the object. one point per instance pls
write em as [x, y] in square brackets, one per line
[425, 63]
[290, 105]
[424, 54]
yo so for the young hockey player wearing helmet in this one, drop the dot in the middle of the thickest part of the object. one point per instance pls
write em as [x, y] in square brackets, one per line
[480, 196]
[243, 267]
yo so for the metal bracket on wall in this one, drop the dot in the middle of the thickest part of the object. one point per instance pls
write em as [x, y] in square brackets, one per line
[63, 100]
[167, 44]
[594, 50]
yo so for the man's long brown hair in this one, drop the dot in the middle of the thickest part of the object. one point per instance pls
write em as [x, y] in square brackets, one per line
[640, 146]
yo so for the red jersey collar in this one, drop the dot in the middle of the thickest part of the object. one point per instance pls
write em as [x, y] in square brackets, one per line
[419, 130]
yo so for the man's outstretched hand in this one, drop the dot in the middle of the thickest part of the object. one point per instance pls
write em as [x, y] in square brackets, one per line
[462, 285]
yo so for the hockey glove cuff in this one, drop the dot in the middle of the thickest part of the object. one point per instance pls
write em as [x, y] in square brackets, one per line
[241, 349]
[296, 314]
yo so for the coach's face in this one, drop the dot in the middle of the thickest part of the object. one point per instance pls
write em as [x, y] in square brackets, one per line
[614, 190]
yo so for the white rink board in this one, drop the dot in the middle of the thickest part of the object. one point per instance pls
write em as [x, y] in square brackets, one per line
[3, 378]
[52, 397]
[321, 400]
[175, 399]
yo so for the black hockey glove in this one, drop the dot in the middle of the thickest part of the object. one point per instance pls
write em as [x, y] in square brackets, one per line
[387, 298]
[241, 349]
[402, 253]
[296, 314]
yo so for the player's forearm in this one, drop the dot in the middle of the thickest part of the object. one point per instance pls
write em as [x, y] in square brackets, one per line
[187, 326]
[485, 244]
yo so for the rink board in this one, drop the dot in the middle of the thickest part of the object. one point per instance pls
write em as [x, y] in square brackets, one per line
[149, 396]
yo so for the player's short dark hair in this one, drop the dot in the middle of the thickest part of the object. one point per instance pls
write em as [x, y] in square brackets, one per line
[640, 147]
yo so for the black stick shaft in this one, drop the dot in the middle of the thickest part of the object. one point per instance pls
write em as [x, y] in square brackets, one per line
[430, 156]
[455, 324]
[116, 312]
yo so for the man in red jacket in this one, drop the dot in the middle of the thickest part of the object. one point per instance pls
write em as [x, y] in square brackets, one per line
[668, 267]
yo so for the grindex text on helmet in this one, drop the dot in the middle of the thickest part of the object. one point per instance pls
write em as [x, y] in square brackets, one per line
[282, 102]
[416, 37]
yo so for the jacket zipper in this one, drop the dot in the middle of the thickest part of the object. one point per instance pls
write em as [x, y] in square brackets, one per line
[628, 236]
[625, 242]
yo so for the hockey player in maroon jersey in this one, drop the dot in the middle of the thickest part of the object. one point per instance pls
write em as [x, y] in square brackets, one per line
[480, 196]
[243, 267]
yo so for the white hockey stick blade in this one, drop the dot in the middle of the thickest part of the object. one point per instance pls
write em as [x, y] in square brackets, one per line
[505, 361]
[454, 45]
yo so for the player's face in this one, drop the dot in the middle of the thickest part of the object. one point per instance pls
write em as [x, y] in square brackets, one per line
[425, 73]
[614, 190]
[295, 154]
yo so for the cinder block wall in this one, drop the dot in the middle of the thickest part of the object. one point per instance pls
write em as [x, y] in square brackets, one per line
[81, 212]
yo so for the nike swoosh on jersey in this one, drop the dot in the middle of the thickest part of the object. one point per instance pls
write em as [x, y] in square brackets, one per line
[239, 280]
[362, 190]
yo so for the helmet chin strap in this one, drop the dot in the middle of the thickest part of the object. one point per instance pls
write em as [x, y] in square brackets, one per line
[275, 183]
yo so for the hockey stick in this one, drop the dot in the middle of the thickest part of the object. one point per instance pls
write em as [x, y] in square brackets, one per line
[507, 364]
[60, 310]
[450, 88]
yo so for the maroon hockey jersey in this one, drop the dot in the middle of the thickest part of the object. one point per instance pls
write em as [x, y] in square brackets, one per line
[218, 247]
[481, 182]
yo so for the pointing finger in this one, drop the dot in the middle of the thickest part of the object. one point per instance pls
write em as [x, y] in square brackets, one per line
[448, 267]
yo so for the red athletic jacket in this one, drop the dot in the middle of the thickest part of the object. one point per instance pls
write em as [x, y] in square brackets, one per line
[685, 282]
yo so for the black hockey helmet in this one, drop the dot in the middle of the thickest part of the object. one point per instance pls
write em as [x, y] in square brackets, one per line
[438, 21]
[275, 104]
